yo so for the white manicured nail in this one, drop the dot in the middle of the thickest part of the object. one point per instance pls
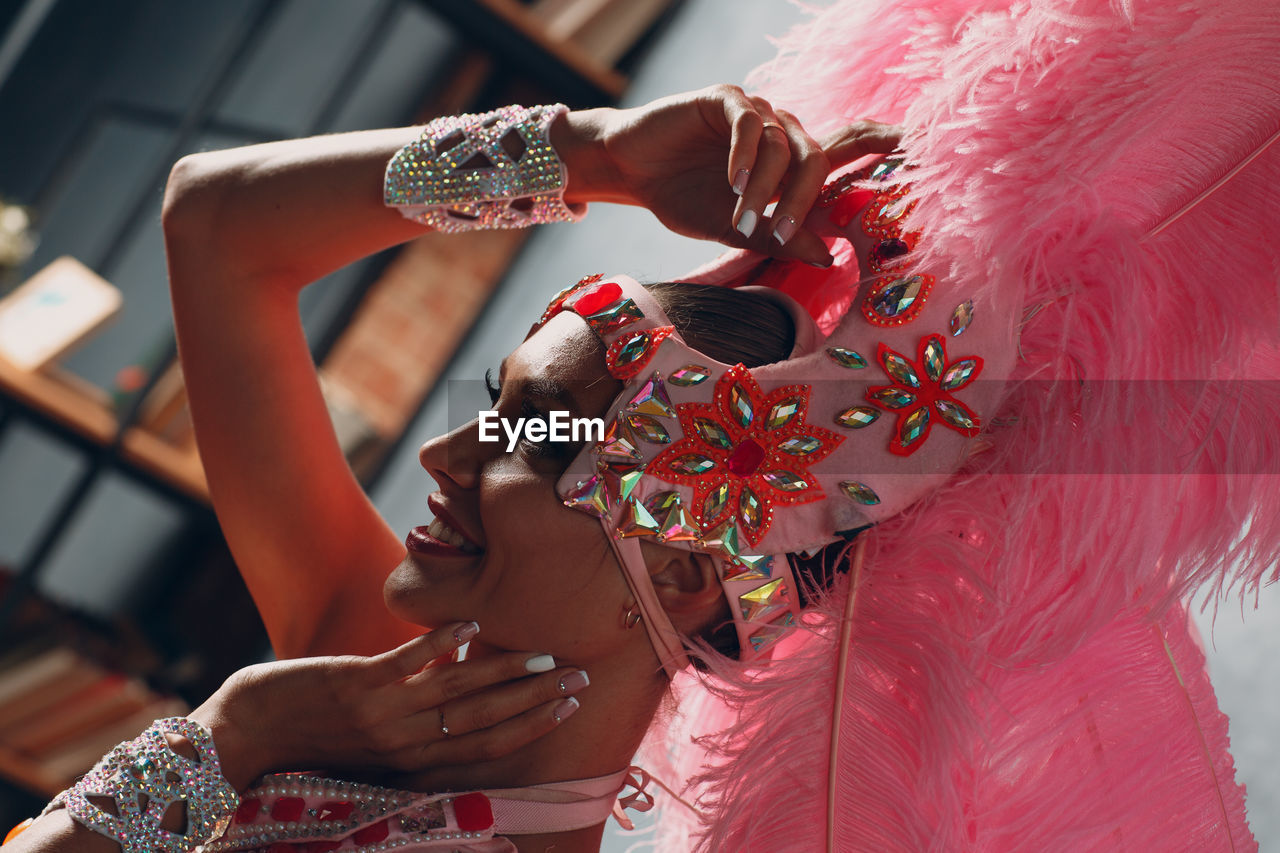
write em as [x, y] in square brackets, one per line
[541, 663]
[747, 224]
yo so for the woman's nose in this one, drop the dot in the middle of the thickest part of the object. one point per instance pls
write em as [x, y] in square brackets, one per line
[456, 456]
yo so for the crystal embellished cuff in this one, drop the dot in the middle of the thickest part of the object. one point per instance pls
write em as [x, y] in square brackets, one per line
[144, 777]
[482, 171]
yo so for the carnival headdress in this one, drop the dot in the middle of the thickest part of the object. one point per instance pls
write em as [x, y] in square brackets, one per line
[751, 465]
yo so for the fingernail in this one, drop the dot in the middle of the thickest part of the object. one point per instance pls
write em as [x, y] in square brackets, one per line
[466, 632]
[541, 663]
[565, 709]
[747, 223]
[740, 180]
[574, 681]
[783, 231]
[822, 265]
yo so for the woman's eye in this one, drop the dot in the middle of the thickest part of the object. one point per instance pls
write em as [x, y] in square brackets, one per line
[546, 447]
[494, 389]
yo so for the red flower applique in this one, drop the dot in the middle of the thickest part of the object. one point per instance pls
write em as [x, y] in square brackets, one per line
[745, 453]
[922, 393]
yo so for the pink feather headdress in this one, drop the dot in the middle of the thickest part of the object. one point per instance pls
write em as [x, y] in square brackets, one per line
[1011, 667]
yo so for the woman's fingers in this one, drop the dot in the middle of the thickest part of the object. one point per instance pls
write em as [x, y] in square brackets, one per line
[772, 160]
[413, 656]
[808, 170]
[493, 706]
[495, 741]
[859, 139]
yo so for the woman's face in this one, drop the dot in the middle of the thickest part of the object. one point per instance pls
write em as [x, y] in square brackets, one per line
[536, 575]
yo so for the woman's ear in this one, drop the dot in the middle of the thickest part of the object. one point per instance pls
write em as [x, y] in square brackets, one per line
[687, 586]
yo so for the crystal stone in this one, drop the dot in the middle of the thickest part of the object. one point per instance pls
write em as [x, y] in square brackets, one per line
[786, 481]
[692, 464]
[712, 433]
[678, 526]
[760, 604]
[887, 250]
[894, 398]
[690, 374]
[628, 477]
[897, 296]
[783, 413]
[885, 168]
[961, 317]
[959, 374]
[592, 300]
[857, 417]
[652, 399]
[635, 347]
[846, 358]
[589, 495]
[860, 493]
[900, 370]
[934, 358]
[745, 458]
[724, 538]
[715, 501]
[914, 426]
[770, 634]
[648, 429]
[614, 317]
[660, 504]
[750, 510]
[740, 405]
[744, 568]
[954, 414]
[800, 445]
[636, 521]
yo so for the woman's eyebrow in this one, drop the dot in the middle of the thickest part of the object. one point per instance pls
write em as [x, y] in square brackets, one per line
[544, 388]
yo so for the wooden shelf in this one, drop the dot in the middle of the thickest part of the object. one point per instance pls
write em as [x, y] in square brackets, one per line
[83, 410]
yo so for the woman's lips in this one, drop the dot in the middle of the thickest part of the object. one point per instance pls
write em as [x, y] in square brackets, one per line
[420, 541]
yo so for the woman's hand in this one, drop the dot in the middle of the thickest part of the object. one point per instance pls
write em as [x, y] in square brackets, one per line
[386, 711]
[708, 162]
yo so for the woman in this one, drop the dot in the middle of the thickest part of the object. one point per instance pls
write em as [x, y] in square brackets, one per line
[1013, 674]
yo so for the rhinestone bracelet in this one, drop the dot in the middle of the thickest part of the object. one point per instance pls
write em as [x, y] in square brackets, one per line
[147, 767]
[482, 171]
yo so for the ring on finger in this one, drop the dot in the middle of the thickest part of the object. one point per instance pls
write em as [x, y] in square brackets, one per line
[769, 124]
[444, 727]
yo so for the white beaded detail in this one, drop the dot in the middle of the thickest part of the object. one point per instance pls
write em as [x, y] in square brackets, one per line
[147, 767]
[482, 171]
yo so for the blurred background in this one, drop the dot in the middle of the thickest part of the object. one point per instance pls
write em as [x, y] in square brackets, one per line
[118, 600]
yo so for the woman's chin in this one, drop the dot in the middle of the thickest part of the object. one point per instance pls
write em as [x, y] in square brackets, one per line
[422, 589]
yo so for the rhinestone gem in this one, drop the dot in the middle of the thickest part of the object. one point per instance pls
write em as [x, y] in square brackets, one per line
[744, 568]
[740, 405]
[954, 414]
[892, 210]
[887, 250]
[846, 358]
[745, 458]
[786, 481]
[860, 493]
[635, 347]
[900, 370]
[628, 478]
[934, 358]
[749, 509]
[857, 417]
[783, 413]
[715, 501]
[690, 374]
[592, 300]
[678, 526]
[770, 634]
[885, 168]
[759, 604]
[712, 433]
[913, 427]
[620, 449]
[636, 521]
[959, 374]
[800, 445]
[897, 296]
[614, 317]
[648, 429]
[692, 464]
[894, 398]
[961, 317]
[660, 504]
[652, 399]
[591, 496]
[724, 538]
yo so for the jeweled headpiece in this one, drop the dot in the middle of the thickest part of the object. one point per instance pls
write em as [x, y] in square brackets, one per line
[750, 465]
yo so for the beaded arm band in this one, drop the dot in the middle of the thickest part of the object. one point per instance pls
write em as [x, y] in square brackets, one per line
[489, 170]
[147, 767]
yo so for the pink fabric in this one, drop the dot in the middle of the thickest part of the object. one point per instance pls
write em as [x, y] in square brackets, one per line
[1021, 675]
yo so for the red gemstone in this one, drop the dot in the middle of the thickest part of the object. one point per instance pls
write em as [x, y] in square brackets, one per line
[373, 834]
[288, 808]
[594, 299]
[849, 206]
[248, 810]
[335, 811]
[745, 458]
[473, 812]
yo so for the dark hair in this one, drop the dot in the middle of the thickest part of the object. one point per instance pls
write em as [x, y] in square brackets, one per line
[735, 326]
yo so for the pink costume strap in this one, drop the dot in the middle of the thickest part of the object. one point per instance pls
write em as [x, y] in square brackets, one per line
[556, 806]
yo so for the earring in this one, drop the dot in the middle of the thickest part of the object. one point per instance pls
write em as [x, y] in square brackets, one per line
[631, 617]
